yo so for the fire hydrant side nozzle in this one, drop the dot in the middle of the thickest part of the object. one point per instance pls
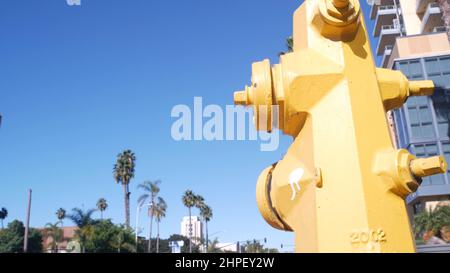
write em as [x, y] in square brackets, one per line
[395, 88]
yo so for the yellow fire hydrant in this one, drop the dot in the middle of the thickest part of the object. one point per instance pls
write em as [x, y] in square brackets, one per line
[341, 185]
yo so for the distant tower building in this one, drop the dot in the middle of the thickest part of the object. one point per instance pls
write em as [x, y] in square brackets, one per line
[197, 228]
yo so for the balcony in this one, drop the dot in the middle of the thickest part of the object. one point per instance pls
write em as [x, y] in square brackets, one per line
[377, 4]
[385, 15]
[388, 34]
[386, 55]
[421, 5]
[432, 18]
[439, 29]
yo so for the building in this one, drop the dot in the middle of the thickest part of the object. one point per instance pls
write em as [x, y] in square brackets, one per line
[197, 228]
[176, 246]
[412, 38]
[228, 247]
[67, 245]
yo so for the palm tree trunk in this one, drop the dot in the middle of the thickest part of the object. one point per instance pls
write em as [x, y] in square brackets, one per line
[127, 205]
[206, 227]
[2, 223]
[444, 5]
[120, 244]
[157, 236]
[151, 225]
[101, 214]
[190, 231]
[150, 234]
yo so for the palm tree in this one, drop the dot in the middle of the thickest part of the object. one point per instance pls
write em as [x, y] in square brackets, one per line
[102, 205]
[61, 214]
[189, 200]
[53, 231]
[206, 214]
[253, 247]
[152, 190]
[160, 212]
[289, 46]
[120, 243]
[199, 201]
[428, 222]
[123, 173]
[213, 246]
[444, 5]
[3, 215]
[83, 220]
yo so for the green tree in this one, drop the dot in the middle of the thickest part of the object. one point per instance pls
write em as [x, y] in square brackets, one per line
[11, 239]
[151, 190]
[61, 214]
[83, 220]
[199, 203]
[105, 237]
[253, 247]
[56, 234]
[123, 173]
[429, 222]
[212, 246]
[124, 241]
[206, 214]
[189, 200]
[3, 215]
[102, 205]
[186, 247]
[159, 212]
[289, 46]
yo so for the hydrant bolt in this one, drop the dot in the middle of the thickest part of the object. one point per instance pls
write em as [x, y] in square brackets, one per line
[240, 98]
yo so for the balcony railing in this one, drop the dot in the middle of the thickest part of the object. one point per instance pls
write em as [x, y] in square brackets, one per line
[386, 7]
[377, 3]
[385, 15]
[439, 29]
[388, 34]
[386, 55]
[387, 27]
[432, 18]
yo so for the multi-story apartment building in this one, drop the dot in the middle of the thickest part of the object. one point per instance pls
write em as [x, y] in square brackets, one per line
[412, 38]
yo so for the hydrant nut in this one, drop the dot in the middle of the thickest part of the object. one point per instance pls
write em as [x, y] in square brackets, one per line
[340, 13]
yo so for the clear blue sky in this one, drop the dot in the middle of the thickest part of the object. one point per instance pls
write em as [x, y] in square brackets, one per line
[80, 84]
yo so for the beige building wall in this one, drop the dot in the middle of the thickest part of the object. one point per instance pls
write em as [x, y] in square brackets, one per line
[412, 21]
[407, 47]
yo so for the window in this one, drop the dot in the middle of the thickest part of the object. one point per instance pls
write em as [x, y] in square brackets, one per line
[415, 70]
[441, 103]
[421, 121]
[432, 67]
[438, 70]
[412, 69]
